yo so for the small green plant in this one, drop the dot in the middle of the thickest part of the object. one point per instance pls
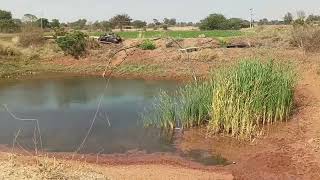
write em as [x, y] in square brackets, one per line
[223, 43]
[148, 45]
[74, 43]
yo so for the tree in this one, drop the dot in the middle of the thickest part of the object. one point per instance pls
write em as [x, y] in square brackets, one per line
[55, 23]
[313, 18]
[79, 24]
[301, 15]
[288, 18]
[29, 18]
[213, 21]
[190, 24]
[7, 24]
[236, 24]
[43, 23]
[5, 15]
[156, 22]
[120, 20]
[263, 21]
[139, 24]
[170, 22]
[106, 25]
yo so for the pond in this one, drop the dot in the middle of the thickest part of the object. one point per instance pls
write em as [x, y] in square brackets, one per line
[65, 109]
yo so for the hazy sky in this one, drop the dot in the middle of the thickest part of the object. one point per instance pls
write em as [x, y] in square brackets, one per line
[182, 10]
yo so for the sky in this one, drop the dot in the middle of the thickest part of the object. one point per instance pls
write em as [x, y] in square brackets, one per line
[147, 10]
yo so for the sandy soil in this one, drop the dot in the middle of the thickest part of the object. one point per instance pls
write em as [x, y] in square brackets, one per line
[36, 167]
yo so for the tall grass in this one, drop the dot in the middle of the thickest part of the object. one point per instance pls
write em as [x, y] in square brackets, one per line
[194, 103]
[162, 113]
[189, 106]
[250, 94]
[237, 101]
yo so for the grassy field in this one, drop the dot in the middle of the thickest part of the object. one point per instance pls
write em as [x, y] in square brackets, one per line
[174, 34]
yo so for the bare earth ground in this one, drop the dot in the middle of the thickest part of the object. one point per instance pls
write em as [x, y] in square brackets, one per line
[284, 151]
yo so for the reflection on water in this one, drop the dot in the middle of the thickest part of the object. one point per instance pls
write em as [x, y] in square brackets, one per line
[65, 108]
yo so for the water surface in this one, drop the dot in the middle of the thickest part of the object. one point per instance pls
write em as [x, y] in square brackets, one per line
[66, 107]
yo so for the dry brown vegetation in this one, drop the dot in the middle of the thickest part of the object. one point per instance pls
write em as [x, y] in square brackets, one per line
[306, 37]
[14, 166]
[31, 36]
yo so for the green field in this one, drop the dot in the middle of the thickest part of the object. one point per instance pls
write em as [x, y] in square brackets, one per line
[175, 34]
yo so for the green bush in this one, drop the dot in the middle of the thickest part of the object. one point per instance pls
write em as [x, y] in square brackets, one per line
[148, 45]
[73, 43]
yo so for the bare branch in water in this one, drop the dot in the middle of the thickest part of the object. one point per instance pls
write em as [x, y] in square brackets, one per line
[22, 119]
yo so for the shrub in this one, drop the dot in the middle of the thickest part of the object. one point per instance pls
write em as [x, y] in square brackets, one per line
[165, 27]
[306, 37]
[250, 94]
[73, 43]
[59, 31]
[31, 36]
[92, 43]
[148, 45]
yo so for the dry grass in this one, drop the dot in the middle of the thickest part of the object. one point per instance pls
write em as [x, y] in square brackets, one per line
[306, 37]
[22, 167]
[31, 36]
[205, 55]
[9, 51]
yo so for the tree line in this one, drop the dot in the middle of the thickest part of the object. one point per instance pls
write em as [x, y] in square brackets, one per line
[123, 21]
[288, 19]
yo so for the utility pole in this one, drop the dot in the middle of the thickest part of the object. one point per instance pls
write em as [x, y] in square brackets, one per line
[41, 22]
[251, 17]
[41, 19]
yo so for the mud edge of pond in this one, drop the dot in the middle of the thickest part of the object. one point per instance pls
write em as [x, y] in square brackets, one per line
[130, 158]
[129, 76]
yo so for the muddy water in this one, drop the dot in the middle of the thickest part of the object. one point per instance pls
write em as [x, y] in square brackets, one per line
[66, 107]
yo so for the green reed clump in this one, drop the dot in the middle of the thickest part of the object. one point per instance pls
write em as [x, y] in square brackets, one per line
[189, 106]
[237, 102]
[194, 103]
[249, 94]
[162, 112]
